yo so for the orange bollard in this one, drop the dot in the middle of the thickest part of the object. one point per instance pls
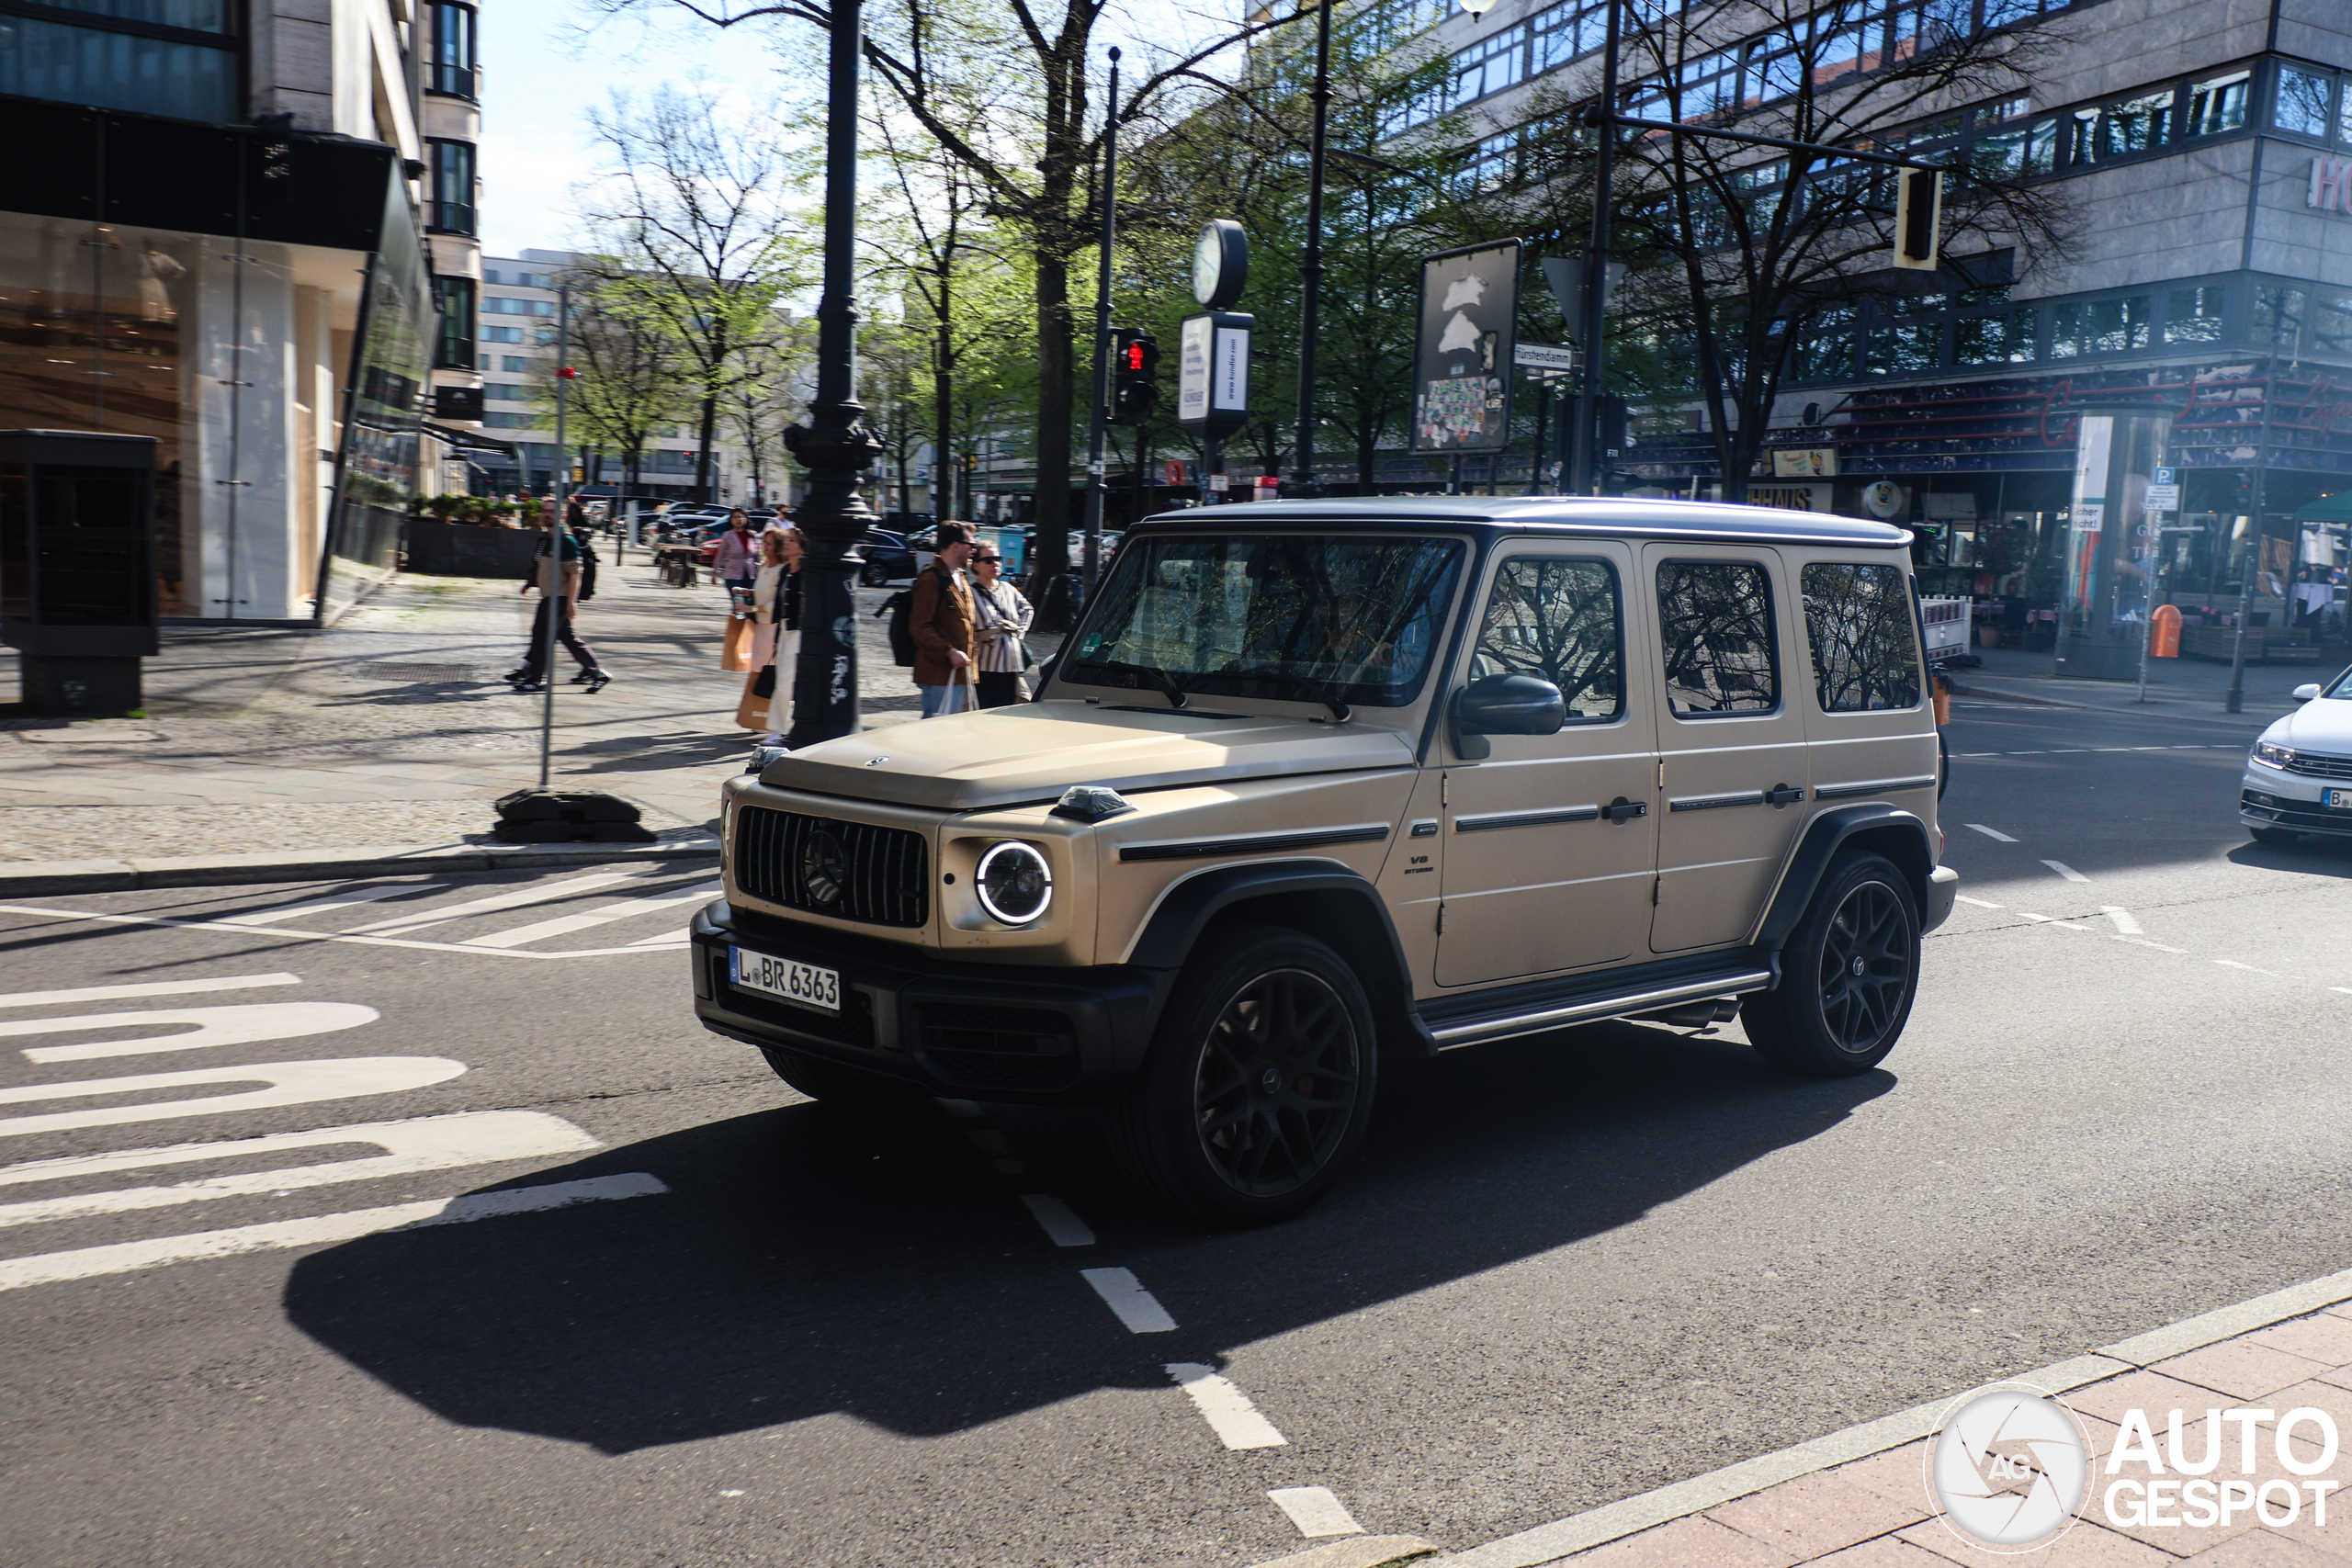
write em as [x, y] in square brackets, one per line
[2164, 632]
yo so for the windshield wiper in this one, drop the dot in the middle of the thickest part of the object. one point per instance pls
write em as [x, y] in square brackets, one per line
[1324, 691]
[1160, 679]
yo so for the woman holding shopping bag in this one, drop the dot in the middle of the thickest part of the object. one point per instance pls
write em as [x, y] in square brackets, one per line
[776, 595]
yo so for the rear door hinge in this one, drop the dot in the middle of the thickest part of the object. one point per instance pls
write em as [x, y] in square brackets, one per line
[1654, 882]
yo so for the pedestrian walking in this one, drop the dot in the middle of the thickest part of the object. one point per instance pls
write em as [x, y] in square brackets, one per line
[943, 623]
[1004, 614]
[737, 566]
[776, 597]
[558, 545]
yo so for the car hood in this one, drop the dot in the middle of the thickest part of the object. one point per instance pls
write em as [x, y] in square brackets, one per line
[2324, 724]
[1034, 751]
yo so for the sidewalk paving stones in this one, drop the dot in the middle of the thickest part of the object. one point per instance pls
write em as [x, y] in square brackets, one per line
[392, 728]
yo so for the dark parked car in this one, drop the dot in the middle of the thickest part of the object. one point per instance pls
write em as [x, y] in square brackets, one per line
[887, 559]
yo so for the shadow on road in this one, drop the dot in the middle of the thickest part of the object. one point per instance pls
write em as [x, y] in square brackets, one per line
[807, 1264]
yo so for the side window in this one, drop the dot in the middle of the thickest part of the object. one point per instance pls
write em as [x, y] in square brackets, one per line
[1560, 620]
[1715, 621]
[1865, 651]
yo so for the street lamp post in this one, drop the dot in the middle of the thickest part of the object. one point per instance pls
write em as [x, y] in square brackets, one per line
[1585, 439]
[834, 446]
[1310, 304]
[1100, 413]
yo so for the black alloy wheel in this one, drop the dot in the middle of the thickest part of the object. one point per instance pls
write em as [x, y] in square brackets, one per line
[1848, 974]
[873, 575]
[1259, 1086]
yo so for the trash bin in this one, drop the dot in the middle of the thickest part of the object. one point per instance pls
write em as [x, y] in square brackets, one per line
[77, 567]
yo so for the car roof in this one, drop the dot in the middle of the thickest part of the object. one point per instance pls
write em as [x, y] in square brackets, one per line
[1566, 514]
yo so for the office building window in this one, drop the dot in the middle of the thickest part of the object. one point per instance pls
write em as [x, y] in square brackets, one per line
[2193, 315]
[499, 419]
[2219, 105]
[181, 78]
[449, 166]
[2303, 102]
[2278, 316]
[515, 365]
[454, 349]
[2100, 326]
[506, 392]
[451, 70]
[500, 335]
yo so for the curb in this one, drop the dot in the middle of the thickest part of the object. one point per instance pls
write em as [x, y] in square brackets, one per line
[1361, 1551]
[2156, 709]
[33, 878]
[1613, 1521]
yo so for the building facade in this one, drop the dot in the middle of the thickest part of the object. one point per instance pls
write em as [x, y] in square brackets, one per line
[2204, 151]
[211, 234]
[516, 353]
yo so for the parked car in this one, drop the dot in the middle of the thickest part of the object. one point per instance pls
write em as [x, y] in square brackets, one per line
[1330, 780]
[887, 559]
[2299, 775]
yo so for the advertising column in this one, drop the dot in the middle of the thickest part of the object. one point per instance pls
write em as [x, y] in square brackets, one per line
[2111, 544]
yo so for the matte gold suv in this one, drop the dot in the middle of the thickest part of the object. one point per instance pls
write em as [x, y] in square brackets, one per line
[1318, 783]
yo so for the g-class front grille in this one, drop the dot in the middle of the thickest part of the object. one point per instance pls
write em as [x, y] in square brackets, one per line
[852, 870]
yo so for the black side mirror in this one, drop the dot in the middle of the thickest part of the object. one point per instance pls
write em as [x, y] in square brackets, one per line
[1505, 705]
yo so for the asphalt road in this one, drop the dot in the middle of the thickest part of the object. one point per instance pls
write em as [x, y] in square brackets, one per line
[676, 1315]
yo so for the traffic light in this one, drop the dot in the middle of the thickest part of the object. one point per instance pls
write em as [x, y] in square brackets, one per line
[1918, 217]
[1134, 375]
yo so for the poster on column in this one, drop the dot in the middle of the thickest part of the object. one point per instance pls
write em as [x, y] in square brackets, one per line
[1462, 381]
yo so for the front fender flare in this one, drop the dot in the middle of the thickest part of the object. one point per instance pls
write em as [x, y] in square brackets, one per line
[1898, 833]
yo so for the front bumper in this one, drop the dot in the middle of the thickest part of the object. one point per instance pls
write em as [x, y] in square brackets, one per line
[2270, 797]
[981, 1031]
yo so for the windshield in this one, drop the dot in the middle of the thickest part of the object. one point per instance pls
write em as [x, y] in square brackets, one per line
[1350, 619]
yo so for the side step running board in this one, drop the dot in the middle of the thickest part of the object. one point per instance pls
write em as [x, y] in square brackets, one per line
[1596, 1005]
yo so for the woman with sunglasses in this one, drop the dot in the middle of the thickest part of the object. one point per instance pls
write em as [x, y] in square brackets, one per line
[1003, 614]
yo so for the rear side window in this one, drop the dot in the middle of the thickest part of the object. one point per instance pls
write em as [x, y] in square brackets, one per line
[1715, 623]
[1865, 649]
[1561, 621]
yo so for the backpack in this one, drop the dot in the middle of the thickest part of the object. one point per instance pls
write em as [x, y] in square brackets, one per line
[587, 571]
[899, 608]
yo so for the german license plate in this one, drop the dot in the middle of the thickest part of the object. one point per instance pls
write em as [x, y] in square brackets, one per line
[785, 980]
[2337, 800]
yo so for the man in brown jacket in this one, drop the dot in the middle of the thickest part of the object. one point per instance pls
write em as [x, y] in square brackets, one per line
[942, 623]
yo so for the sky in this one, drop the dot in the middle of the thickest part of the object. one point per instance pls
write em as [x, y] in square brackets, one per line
[545, 66]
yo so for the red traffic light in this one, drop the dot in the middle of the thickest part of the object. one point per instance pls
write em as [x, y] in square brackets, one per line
[569, 374]
[1134, 353]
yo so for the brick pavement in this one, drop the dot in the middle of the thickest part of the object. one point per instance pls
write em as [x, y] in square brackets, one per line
[393, 728]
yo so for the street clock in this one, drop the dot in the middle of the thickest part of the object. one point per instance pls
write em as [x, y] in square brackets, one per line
[1220, 264]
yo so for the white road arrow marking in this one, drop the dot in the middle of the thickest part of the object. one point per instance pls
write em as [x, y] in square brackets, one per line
[288, 1083]
[146, 988]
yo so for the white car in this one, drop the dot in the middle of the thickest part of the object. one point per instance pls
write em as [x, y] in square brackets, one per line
[2299, 776]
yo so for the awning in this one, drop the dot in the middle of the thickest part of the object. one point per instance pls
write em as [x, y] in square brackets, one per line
[2336, 508]
[469, 440]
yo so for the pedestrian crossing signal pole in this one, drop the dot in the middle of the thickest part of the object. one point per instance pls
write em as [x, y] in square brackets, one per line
[551, 581]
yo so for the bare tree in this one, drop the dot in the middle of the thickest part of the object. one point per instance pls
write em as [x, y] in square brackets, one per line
[697, 216]
[1741, 253]
[633, 382]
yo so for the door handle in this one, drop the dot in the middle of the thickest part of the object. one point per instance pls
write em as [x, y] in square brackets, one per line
[1622, 810]
[1784, 795]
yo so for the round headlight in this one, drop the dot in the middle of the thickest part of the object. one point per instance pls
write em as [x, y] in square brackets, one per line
[1015, 884]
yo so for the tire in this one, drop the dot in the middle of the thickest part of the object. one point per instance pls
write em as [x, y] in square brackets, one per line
[2280, 837]
[1943, 765]
[842, 1089]
[1230, 1125]
[1829, 1018]
[873, 576]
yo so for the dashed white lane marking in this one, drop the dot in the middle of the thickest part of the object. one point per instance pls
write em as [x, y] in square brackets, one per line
[603, 914]
[2233, 963]
[513, 898]
[123, 1257]
[2192, 746]
[1226, 1409]
[288, 1083]
[2114, 747]
[146, 988]
[2342, 990]
[1315, 1511]
[1127, 1298]
[2143, 942]
[351, 895]
[1060, 1224]
[2069, 750]
[1967, 754]
[1993, 834]
[1980, 903]
[420, 1143]
[240, 1024]
[2068, 872]
[2021, 753]
[2050, 921]
[2124, 921]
